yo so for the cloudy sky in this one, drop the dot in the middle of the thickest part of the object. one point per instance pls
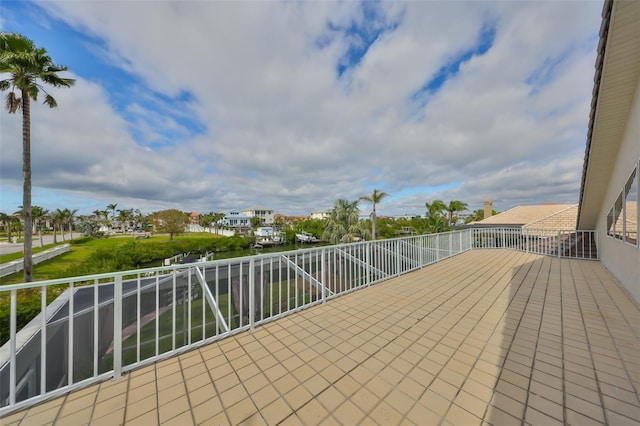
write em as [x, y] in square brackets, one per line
[213, 106]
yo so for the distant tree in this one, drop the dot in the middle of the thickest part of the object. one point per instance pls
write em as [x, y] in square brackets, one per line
[7, 221]
[278, 221]
[140, 219]
[477, 215]
[436, 220]
[375, 198]
[311, 226]
[112, 207]
[452, 208]
[255, 222]
[39, 215]
[69, 216]
[216, 218]
[343, 224]
[206, 220]
[172, 222]
[435, 208]
[25, 69]
[90, 227]
[124, 216]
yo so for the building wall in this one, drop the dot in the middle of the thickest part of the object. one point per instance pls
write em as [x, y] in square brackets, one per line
[621, 258]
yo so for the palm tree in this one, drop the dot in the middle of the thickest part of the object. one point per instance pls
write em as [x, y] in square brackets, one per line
[112, 207]
[123, 217]
[453, 207]
[343, 225]
[6, 220]
[39, 214]
[27, 67]
[206, 220]
[436, 220]
[375, 198]
[69, 216]
[436, 208]
[59, 219]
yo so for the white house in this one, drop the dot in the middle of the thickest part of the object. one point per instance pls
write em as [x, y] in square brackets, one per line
[265, 214]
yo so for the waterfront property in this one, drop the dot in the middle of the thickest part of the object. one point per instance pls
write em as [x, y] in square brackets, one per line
[497, 325]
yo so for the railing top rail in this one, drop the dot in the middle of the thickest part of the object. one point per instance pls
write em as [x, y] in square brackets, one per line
[260, 256]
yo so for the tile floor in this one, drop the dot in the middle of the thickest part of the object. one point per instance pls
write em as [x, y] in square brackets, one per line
[488, 337]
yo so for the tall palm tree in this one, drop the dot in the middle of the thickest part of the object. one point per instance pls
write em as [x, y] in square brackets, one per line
[343, 225]
[454, 207]
[112, 207]
[123, 217]
[7, 220]
[435, 208]
[375, 198]
[39, 214]
[436, 220]
[27, 67]
[69, 217]
[59, 219]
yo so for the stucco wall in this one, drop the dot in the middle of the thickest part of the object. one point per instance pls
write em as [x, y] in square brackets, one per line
[622, 259]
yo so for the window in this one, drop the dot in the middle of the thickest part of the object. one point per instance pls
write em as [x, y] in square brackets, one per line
[618, 218]
[631, 209]
[622, 219]
[610, 223]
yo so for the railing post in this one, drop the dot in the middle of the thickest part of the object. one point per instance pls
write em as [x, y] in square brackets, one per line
[117, 326]
[368, 262]
[323, 275]
[450, 244]
[397, 257]
[559, 245]
[43, 340]
[252, 294]
[70, 329]
[12, 347]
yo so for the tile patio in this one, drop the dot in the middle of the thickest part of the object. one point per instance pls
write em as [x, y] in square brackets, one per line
[487, 337]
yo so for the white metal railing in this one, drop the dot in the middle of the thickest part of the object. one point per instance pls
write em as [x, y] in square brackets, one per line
[17, 265]
[559, 243]
[100, 326]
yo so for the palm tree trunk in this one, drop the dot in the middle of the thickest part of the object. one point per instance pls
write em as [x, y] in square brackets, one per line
[373, 223]
[55, 239]
[26, 189]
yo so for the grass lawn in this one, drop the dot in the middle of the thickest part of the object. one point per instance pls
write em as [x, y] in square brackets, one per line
[78, 252]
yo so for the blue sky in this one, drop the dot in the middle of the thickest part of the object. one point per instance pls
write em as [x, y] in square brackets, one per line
[213, 106]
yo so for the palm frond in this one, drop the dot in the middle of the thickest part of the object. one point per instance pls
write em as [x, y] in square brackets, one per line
[12, 103]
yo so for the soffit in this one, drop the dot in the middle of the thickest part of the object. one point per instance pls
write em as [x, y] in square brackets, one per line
[619, 77]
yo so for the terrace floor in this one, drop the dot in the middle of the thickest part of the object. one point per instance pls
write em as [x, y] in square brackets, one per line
[494, 336]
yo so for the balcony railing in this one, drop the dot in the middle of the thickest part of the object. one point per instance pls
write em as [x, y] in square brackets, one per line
[100, 326]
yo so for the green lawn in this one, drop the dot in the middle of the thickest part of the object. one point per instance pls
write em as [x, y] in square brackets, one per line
[78, 252]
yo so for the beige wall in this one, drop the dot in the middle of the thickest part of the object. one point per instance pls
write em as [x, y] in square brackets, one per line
[622, 259]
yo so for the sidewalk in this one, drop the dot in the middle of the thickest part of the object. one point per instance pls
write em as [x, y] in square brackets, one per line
[7, 247]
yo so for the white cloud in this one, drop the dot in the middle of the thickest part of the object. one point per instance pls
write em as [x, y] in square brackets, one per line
[278, 127]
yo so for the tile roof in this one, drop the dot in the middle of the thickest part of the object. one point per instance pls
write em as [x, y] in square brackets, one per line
[523, 215]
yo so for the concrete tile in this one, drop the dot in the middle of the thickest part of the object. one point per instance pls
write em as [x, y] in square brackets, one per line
[276, 412]
[312, 413]
[331, 398]
[241, 411]
[385, 414]
[459, 416]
